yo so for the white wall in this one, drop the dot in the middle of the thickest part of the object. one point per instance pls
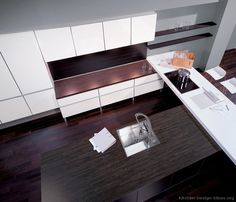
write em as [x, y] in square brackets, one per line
[23, 15]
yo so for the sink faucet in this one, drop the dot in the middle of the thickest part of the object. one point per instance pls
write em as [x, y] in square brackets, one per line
[146, 126]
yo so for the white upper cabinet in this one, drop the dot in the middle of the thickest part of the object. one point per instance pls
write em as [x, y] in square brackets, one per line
[117, 33]
[42, 101]
[13, 109]
[56, 44]
[143, 28]
[8, 87]
[88, 38]
[23, 57]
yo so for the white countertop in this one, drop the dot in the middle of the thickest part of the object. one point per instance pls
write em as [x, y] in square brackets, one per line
[219, 120]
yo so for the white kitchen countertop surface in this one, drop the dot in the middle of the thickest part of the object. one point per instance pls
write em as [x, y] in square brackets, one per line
[219, 120]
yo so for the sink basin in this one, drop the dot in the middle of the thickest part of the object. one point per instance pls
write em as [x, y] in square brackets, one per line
[136, 138]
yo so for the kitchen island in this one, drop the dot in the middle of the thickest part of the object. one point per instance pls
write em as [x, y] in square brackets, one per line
[77, 173]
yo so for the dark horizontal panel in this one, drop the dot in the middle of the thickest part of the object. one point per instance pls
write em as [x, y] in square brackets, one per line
[98, 79]
[61, 69]
[180, 40]
[185, 28]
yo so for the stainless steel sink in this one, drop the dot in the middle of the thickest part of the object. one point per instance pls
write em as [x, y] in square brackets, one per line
[137, 137]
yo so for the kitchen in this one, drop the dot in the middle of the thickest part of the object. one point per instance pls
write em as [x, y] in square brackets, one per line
[33, 94]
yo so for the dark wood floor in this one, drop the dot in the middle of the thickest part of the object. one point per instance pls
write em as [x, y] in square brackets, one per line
[22, 145]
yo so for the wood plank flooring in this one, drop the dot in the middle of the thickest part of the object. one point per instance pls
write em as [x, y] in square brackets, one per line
[21, 146]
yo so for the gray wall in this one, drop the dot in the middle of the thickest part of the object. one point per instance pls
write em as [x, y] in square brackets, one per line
[232, 42]
[227, 17]
[167, 19]
[23, 15]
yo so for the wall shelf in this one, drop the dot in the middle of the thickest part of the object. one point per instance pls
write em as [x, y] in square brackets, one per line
[180, 40]
[185, 28]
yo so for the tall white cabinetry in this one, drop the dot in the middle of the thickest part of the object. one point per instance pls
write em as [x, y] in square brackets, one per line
[8, 87]
[56, 44]
[23, 57]
[12, 104]
[143, 28]
[117, 33]
[26, 87]
[88, 38]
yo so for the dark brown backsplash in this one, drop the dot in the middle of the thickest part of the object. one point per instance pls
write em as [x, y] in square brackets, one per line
[96, 61]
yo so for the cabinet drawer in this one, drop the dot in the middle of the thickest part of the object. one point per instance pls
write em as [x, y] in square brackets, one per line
[77, 98]
[80, 107]
[116, 96]
[148, 87]
[116, 87]
[146, 79]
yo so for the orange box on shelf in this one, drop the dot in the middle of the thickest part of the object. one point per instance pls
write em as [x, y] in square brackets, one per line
[183, 59]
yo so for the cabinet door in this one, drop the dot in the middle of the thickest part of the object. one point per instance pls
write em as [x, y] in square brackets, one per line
[117, 33]
[8, 87]
[143, 28]
[56, 44]
[13, 109]
[88, 38]
[23, 57]
[41, 101]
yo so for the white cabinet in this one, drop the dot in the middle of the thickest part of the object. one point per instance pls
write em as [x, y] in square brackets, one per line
[13, 109]
[143, 28]
[116, 87]
[80, 107]
[88, 38]
[56, 44]
[79, 103]
[117, 33]
[23, 57]
[78, 97]
[117, 92]
[116, 96]
[147, 84]
[148, 87]
[146, 79]
[8, 87]
[41, 101]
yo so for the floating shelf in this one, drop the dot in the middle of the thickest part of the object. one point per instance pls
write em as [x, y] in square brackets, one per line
[181, 40]
[185, 28]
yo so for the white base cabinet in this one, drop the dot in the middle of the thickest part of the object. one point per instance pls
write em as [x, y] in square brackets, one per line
[147, 84]
[104, 96]
[148, 87]
[79, 103]
[116, 96]
[80, 107]
[13, 109]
